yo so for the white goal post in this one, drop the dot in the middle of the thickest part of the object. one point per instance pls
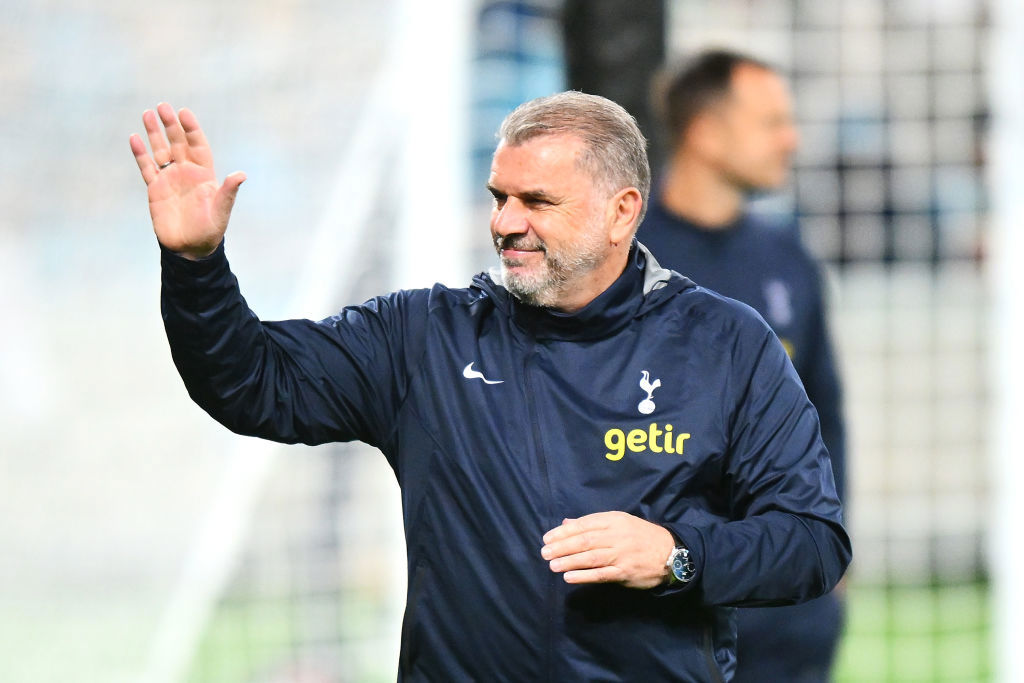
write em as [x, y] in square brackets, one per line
[1006, 151]
[416, 113]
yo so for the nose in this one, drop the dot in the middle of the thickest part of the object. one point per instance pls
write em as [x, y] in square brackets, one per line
[510, 217]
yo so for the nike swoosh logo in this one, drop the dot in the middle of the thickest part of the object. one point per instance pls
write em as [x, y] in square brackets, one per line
[469, 373]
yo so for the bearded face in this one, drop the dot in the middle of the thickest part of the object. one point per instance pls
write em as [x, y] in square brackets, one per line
[540, 281]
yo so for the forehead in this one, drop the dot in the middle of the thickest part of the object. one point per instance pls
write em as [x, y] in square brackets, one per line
[545, 159]
[754, 87]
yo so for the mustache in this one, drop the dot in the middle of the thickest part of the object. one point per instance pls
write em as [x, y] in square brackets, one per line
[519, 243]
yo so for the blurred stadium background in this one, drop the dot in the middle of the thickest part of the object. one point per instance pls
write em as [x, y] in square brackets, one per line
[140, 542]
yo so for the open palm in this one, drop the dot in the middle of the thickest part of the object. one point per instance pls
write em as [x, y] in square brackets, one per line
[190, 210]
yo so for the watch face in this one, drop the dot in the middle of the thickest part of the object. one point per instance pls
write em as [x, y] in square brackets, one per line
[682, 568]
[679, 568]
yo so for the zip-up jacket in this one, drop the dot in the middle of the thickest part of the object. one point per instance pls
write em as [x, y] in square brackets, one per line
[659, 398]
[764, 264]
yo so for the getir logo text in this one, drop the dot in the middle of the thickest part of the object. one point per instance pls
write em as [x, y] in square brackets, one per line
[654, 439]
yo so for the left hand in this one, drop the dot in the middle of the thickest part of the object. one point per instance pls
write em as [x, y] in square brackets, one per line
[609, 547]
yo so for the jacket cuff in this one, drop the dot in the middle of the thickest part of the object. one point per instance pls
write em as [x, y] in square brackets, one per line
[175, 264]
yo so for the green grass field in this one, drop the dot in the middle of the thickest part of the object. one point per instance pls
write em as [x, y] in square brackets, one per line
[916, 634]
[893, 633]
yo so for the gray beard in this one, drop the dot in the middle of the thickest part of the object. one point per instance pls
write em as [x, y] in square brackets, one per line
[535, 291]
[545, 287]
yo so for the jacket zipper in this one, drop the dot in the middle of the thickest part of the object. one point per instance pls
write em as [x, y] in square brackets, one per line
[543, 466]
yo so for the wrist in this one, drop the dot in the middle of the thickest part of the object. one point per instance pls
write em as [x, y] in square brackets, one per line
[199, 252]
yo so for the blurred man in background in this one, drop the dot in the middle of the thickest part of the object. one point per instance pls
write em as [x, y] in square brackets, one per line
[730, 122]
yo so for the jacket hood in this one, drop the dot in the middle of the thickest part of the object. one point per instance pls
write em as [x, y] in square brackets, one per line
[643, 286]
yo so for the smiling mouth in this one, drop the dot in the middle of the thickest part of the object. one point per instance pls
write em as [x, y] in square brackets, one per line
[515, 247]
[516, 254]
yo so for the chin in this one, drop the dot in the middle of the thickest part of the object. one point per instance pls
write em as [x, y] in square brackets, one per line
[530, 289]
[763, 185]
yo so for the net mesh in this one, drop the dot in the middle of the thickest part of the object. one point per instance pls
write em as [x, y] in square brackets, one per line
[889, 188]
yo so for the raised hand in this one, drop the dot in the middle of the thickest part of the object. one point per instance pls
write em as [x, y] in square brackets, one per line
[189, 209]
[609, 547]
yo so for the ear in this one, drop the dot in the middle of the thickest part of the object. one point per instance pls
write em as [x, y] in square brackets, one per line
[705, 134]
[623, 213]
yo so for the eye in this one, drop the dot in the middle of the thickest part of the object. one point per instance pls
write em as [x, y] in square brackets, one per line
[499, 198]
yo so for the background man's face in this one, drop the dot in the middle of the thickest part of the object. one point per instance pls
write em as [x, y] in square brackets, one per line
[756, 129]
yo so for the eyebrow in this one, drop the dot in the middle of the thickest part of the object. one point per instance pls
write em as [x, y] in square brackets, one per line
[527, 196]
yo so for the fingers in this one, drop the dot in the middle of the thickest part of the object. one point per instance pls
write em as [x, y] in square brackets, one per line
[176, 137]
[575, 536]
[157, 141]
[198, 147]
[571, 527]
[588, 559]
[567, 528]
[145, 162]
[571, 545]
[585, 558]
[175, 134]
[603, 574]
[224, 200]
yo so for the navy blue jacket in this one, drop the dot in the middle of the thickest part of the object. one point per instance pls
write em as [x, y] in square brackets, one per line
[660, 399]
[765, 265]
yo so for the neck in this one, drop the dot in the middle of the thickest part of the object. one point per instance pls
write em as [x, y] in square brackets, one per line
[700, 194]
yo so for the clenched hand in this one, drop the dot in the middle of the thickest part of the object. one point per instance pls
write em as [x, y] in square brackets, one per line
[609, 547]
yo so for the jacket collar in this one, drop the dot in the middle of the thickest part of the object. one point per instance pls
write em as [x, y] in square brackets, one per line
[642, 285]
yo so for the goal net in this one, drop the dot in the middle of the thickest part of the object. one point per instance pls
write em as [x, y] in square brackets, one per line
[889, 186]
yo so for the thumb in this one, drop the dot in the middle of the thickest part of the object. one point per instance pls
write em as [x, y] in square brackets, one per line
[224, 200]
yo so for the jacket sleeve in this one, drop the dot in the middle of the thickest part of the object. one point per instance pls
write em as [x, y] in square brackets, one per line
[294, 381]
[785, 542]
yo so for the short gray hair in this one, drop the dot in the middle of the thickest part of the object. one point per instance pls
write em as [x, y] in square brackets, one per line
[615, 151]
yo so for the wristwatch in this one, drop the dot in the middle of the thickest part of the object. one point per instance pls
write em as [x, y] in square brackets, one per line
[680, 565]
